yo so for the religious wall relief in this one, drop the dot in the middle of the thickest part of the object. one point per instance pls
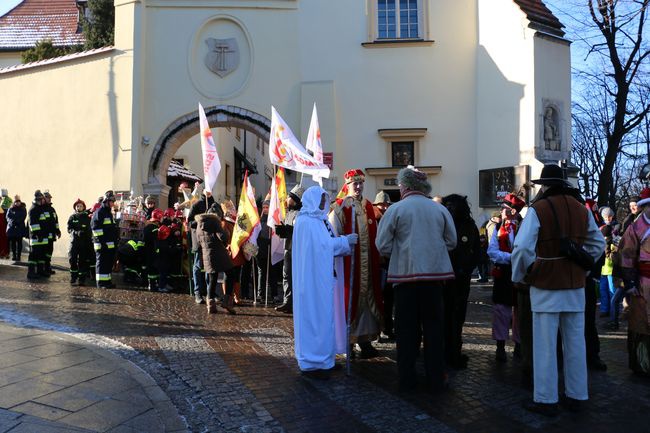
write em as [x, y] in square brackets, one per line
[223, 55]
[551, 144]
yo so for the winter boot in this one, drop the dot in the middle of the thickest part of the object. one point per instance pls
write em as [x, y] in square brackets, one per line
[73, 279]
[228, 304]
[40, 268]
[212, 306]
[32, 274]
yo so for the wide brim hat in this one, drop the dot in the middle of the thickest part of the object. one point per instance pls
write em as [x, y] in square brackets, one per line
[382, 198]
[552, 175]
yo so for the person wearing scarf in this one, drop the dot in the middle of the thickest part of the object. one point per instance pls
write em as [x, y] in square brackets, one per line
[503, 290]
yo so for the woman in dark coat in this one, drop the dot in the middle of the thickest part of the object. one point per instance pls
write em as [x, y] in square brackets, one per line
[216, 259]
[16, 229]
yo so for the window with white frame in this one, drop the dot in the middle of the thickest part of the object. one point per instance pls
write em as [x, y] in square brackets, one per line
[398, 19]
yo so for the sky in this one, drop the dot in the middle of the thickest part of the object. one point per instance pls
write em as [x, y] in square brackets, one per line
[7, 5]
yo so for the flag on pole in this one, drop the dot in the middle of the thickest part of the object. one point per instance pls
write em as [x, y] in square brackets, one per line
[277, 212]
[313, 143]
[211, 163]
[286, 151]
[247, 225]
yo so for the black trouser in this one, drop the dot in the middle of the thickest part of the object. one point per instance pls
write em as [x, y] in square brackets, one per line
[592, 342]
[263, 277]
[78, 257]
[286, 279]
[525, 330]
[104, 263]
[456, 293]
[16, 245]
[419, 306]
[152, 266]
[389, 301]
[49, 248]
[36, 259]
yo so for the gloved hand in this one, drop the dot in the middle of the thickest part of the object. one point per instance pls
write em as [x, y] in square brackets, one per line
[353, 239]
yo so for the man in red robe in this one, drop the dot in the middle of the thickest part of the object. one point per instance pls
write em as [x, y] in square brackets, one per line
[367, 302]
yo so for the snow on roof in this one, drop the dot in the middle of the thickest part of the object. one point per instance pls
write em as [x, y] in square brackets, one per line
[30, 21]
[177, 170]
[55, 60]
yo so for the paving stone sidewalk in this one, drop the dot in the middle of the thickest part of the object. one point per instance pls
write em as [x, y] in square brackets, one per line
[225, 373]
[52, 382]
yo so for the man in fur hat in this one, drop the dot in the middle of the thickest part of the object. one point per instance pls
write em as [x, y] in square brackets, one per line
[417, 234]
[367, 301]
[557, 294]
[285, 231]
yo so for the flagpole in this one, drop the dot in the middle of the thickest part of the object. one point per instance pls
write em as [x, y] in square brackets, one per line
[348, 354]
[268, 250]
[254, 282]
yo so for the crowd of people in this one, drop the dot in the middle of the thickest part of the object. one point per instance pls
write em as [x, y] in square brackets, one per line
[355, 271]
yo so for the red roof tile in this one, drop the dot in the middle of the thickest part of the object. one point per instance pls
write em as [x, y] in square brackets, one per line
[34, 20]
[541, 17]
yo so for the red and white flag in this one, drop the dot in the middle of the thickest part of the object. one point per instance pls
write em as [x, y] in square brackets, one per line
[286, 151]
[277, 212]
[313, 143]
[211, 162]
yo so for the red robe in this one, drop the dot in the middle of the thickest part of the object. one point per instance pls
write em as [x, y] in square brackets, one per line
[374, 277]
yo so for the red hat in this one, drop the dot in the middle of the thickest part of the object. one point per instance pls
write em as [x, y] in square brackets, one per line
[169, 213]
[645, 197]
[589, 203]
[354, 175]
[74, 206]
[179, 213]
[163, 232]
[156, 215]
[513, 202]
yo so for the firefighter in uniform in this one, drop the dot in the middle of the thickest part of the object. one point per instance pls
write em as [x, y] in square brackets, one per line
[37, 238]
[53, 231]
[151, 249]
[130, 254]
[104, 240]
[80, 252]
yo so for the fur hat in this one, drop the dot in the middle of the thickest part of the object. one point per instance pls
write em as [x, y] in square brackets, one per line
[74, 205]
[354, 175]
[296, 193]
[413, 179]
[382, 198]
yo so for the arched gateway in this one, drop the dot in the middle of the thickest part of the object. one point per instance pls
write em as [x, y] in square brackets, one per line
[187, 126]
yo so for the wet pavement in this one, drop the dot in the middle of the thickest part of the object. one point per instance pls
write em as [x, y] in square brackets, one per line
[225, 373]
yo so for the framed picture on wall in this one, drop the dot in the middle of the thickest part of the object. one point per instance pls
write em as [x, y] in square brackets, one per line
[403, 153]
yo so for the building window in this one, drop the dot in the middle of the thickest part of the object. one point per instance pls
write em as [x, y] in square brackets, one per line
[397, 19]
[403, 153]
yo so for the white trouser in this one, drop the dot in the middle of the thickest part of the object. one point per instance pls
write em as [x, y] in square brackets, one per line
[545, 327]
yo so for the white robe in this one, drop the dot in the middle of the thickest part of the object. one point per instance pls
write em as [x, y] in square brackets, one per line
[314, 284]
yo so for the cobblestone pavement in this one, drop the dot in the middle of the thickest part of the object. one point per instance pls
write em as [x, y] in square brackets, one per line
[237, 373]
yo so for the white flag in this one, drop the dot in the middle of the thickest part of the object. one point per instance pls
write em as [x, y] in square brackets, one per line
[211, 163]
[313, 142]
[286, 151]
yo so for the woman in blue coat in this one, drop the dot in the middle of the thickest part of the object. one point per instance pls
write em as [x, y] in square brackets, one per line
[16, 229]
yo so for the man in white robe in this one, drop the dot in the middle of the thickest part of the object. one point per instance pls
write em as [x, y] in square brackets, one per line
[314, 282]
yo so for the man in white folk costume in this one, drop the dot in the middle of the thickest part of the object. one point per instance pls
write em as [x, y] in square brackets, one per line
[318, 310]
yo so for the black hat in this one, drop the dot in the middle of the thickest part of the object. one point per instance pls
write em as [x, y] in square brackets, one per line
[109, 196]
[38, 194]
[552, 175]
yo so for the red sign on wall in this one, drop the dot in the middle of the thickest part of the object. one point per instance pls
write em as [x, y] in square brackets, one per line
[328, 159]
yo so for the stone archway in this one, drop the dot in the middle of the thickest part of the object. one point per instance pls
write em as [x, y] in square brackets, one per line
[187, 126]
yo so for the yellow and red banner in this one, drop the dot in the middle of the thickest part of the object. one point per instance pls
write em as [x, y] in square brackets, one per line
[247, 225]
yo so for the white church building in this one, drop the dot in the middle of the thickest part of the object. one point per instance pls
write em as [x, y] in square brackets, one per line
[474, 92]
